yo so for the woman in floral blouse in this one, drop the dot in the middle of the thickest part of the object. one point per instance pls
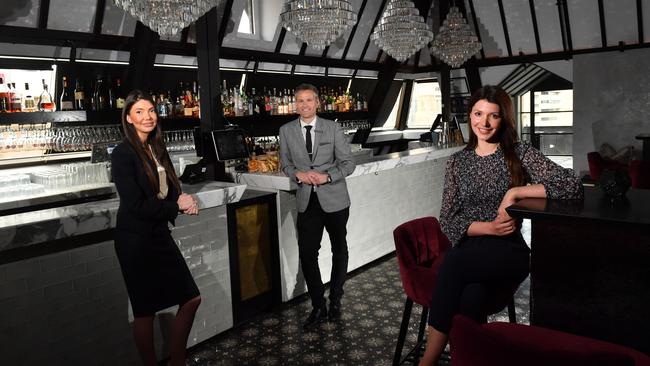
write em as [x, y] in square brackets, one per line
[489, 255]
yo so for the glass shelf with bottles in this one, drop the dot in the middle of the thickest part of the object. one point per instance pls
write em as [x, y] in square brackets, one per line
[237, 102]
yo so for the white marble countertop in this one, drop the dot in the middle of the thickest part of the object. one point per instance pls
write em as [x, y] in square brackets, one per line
[365, 165]
[24, 229]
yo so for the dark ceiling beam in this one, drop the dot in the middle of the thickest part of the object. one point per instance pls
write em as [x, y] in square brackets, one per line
[141, 58]
[475, 20]
[354, 29]
[227, 11]
[551, 56]
[639, 20]
[51, 37]
[278, 46]
[324, 55]
[533, 16]
[374, 24]
[505, 27]
[43, 12]
[567, 24]
[379, 54]
[562, 25]
[184, 34]
[99, 16]
[603, 28]
[243, 54]
[303, 49]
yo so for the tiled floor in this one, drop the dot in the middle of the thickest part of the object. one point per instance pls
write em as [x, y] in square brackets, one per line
[366, 334]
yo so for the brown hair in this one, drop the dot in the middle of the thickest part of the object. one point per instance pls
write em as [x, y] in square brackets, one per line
[306, 86]
[506, 136]
[154, 139]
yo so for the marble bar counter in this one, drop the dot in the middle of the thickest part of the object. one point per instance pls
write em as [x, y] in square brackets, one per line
[385, 191]
[62, 295]
[589, 265]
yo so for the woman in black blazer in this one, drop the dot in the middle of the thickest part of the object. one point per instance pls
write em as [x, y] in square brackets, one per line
[154, 270]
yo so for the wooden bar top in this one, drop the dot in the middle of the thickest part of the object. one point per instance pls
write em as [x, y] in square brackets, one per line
[633, 209]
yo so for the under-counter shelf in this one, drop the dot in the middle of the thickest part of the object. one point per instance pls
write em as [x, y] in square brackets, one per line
[30, 157]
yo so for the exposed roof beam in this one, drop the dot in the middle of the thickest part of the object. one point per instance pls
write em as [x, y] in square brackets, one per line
[99, 16]
[227, 11]
[43, 13]
[243, 54]
[324, 55]
[564, 13]
[303, 49]
[184, 34]
[374, 24]
[603, 28]
[639, 20]
[354, 29]
[533, 16]
[278, 46]
[505, 27]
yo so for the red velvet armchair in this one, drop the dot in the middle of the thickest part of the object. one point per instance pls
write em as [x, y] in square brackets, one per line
[420, 247]
[505, 344]
[597, 165]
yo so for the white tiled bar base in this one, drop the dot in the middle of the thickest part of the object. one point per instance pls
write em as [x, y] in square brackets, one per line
[71, 307]
[384, 194]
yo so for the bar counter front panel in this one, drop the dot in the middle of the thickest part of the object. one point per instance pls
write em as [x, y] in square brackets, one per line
[385, 191]
[590, 272]
[71, 306]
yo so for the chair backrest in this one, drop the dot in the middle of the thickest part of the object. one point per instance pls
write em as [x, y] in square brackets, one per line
[503, 344]
[420, 241]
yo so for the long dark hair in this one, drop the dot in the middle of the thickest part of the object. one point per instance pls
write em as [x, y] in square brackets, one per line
[506, 136]
[154, 140]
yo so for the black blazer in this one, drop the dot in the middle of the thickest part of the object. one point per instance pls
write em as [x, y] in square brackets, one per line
[140, 211]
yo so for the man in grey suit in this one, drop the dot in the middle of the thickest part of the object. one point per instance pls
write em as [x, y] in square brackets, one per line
[315, 155]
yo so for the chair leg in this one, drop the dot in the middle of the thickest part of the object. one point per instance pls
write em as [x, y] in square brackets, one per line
[512, 314]
[408, 306]
[423, 323]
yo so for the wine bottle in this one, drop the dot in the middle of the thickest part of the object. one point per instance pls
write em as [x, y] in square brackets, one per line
[79, 96]
[66, 101]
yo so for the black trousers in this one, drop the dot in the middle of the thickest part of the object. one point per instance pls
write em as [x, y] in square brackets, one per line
[478, 277]
[310, 226]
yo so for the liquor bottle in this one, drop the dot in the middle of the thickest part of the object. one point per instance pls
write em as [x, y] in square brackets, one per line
[196, 108]
[16, 99]
[119, 95]
[45, 102]
[66, 101]
[79, 96]
[100, 96]
[110, 94]
[359, 103]
[29, 104]
[5, 103]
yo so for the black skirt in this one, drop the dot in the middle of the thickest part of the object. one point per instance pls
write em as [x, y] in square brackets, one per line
[154, 271]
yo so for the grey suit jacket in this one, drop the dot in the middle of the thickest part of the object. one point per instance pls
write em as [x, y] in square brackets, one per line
[330, 154]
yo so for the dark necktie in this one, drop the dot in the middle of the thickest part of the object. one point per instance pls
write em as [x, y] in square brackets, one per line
[308, 140]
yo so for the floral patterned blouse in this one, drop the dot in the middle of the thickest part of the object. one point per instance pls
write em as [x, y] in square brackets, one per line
[475, 185]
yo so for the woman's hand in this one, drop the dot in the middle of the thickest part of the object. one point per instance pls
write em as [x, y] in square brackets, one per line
[187, 204]
[509, 199]
[503, 225]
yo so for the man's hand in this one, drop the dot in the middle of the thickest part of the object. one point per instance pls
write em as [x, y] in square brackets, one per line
[317, 177]
[305, 178]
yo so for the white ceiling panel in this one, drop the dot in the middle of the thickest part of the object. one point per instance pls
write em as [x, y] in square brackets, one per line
[585, 24]
[364, 29]
[20, 13]
[267, 26]
[117, 21]
[548, 23]
[489, 24]
[520, 26]
[620, 21]
[79, 17]
[337, 47]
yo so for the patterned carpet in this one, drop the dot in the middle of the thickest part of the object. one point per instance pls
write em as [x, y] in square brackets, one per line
[365, 335]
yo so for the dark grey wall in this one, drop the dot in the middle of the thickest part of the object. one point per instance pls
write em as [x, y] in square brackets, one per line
[611, 101]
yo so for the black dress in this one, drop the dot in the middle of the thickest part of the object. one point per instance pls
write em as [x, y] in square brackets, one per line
[154, 270]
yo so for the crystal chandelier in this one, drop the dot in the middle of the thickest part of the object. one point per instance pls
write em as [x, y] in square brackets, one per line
[166, 17]
[401, 30]
[317, 22]
[456, 41]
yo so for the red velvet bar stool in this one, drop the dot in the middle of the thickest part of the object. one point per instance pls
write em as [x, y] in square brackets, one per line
[420, 247]
[505, 344]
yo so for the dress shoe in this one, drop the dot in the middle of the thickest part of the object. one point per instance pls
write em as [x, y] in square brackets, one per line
[335, 311]
[318, 315]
